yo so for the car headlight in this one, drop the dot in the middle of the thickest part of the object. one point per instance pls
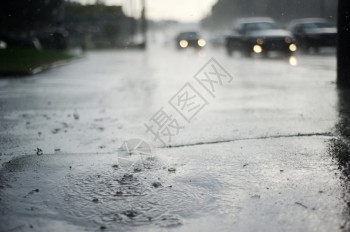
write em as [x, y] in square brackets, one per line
[201, 42]
[183, 43]
[292, 47]
[257, 49]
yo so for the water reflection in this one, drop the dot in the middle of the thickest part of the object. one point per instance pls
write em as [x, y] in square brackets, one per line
[293, 61]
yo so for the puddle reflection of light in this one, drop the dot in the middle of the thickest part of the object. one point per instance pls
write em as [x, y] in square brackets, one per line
[293, 61]
[201, 54]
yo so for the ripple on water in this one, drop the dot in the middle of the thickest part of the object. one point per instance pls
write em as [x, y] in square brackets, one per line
[97, 194]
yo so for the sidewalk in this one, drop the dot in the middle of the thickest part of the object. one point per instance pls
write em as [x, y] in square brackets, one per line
[260, 157]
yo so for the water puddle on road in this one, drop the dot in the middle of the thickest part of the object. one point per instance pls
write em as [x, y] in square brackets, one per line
[285, 183]
[93, 194]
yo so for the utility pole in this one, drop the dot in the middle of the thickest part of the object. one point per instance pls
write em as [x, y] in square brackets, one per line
[144, 24]
[343, 45]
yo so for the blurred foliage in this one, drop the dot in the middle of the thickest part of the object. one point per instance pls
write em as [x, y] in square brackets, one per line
[98, 25]
[24, 61]
[18, 16]
[59, 24]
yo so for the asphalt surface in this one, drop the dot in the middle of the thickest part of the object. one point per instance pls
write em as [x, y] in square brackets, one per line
[262, 155]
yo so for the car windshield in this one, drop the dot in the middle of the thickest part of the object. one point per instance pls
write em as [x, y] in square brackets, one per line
[257, 26]
[189, 35]
[314, 25]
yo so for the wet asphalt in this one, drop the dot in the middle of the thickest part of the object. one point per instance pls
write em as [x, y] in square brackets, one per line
[267, 153]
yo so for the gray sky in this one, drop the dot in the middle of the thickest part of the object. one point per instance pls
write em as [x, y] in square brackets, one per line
[181, 10]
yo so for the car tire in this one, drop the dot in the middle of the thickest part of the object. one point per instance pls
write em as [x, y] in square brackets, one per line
[304, 48]
[246, 53]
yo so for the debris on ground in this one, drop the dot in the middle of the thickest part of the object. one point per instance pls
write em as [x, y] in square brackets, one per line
[137, 169]
[55, 131]
[119, 193]
[156, 184]
[33, 191]
[76, 116]
[130, 213]
[301, 204]
[39, 151]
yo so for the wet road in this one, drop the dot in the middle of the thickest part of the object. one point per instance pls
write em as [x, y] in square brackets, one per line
[256, 158]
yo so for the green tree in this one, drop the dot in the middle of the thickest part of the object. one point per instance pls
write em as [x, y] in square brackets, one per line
[24, 16]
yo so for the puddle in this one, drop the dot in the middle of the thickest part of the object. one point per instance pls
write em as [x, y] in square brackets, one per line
[92, 194]
[244, 185]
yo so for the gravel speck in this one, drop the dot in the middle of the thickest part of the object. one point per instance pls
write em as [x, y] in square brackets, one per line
[156, 184]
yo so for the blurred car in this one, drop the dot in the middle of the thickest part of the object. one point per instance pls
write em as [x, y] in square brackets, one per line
[313, 33]
[189, 39]
[260, 36]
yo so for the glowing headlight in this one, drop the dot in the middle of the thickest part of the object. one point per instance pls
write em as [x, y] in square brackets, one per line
[293, 61]
[183, 43]
[260, 41]
[292, 47]
[257, 49]
[201, 42]
[288, 40]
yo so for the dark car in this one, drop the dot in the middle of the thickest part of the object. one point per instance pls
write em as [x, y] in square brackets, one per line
[259, 35]
[313, 33]
[189, 39]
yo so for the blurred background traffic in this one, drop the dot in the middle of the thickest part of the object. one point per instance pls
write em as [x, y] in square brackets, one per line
[235, 26]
